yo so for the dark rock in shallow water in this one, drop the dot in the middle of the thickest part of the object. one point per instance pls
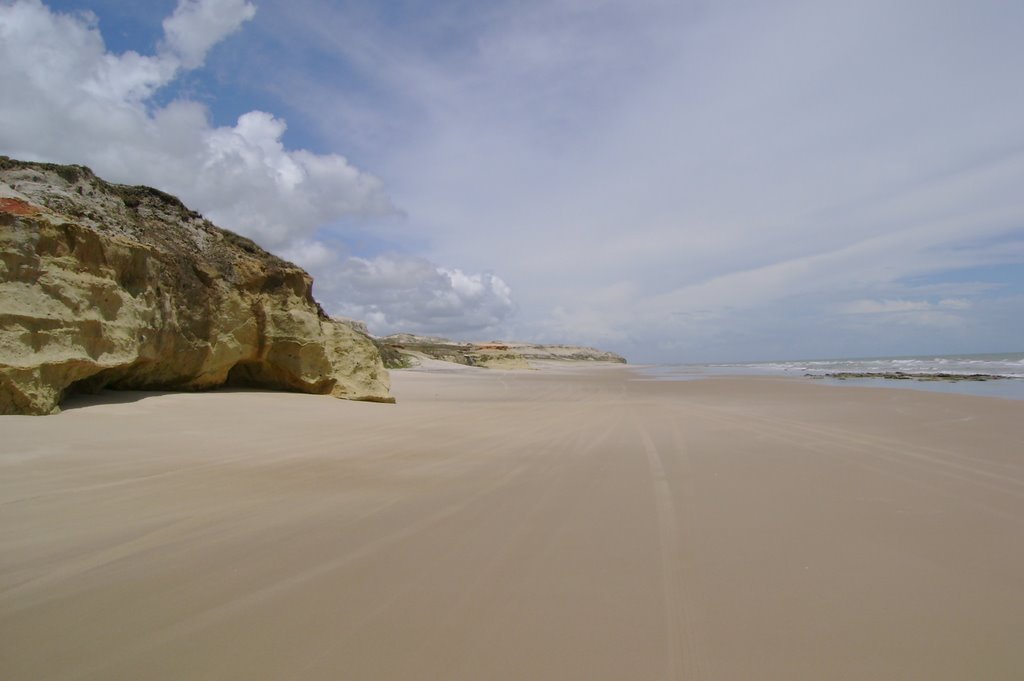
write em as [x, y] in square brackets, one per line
[903, 376]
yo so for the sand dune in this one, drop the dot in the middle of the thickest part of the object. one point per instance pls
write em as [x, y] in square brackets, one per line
[560, 524]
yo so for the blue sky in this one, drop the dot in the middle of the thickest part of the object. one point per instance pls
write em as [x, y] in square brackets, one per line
[677, 181]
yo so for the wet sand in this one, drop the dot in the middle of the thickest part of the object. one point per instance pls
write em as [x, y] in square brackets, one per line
[494, 525]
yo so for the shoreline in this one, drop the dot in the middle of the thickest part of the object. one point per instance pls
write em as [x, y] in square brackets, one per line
[977, 385]
[569, 522]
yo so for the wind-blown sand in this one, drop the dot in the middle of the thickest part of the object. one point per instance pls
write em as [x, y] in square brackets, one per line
[560, 524]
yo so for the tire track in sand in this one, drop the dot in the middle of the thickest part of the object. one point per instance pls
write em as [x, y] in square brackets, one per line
[685, 652]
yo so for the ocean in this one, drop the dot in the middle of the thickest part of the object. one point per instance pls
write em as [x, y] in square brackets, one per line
[1008, 366]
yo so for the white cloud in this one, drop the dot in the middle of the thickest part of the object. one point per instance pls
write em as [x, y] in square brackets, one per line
[198, 25]
[310, 254]
[76, 102]
[396, 293]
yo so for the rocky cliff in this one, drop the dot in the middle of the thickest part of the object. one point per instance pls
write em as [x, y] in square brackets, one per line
[568, 353]
[493, 354]
[105, 285]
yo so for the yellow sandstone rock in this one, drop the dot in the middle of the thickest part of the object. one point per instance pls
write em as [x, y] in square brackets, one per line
[110, 286]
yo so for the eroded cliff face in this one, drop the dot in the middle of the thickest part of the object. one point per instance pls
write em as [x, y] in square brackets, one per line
[398, 349]
[104, 285]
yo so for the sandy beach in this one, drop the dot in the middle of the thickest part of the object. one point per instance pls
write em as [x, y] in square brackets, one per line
[561, 524]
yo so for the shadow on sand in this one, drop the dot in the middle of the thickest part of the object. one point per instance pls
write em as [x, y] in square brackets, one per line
[107, 397]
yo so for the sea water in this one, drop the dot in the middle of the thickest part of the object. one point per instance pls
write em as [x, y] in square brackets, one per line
[1008, 366]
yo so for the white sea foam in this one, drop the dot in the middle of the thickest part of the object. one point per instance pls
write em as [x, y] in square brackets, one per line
[1010, 366]
[1005, 365]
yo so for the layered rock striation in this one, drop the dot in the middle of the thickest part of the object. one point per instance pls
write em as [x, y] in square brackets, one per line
[111, 286]
[493, 354]
[567, 353]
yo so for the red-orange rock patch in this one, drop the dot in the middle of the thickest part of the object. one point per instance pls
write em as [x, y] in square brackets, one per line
[18, 207]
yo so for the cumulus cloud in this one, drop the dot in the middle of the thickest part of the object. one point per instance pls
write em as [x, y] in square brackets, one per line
[68, 99]
[78, 102]
[395, 293]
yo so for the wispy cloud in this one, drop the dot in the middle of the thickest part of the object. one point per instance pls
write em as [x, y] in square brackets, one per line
[884, 307]
[713, 156]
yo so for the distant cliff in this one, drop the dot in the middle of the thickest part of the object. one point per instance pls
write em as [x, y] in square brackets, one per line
[105, 285]
[401, 349]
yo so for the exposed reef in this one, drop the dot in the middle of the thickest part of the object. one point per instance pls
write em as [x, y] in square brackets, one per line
[903, 376]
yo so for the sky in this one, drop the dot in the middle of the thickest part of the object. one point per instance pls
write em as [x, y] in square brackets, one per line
[677, 181]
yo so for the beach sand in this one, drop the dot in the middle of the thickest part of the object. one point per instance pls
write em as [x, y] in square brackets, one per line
[560, 524]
